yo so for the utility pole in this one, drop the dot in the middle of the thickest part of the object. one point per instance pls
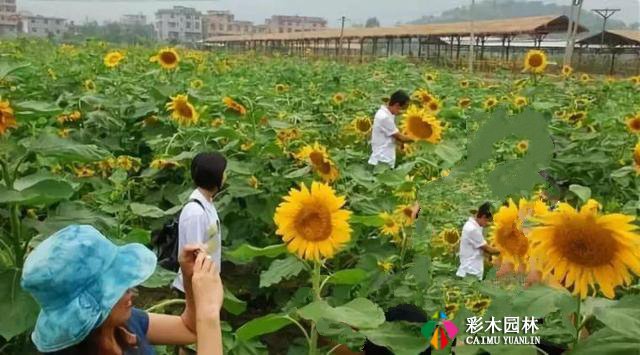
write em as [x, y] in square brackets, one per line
[342, 20]
[472, 37]
[605, 14]
[576, 9]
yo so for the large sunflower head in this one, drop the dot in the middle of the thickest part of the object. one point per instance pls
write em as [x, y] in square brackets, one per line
[535, 61]
[182, 111]
[464, 102]
[405, 214]
[422, 125]
[312, 222]
[567, 71]
[233, 105]
[433, 106]
[633, 123]
[168, 58]
[423, 96]
[362, 125]
[450, 237]
[390, 225]
[582, 249]
[112, 59]
[508, 236]
[7, 120]
[636, 157]
[489, 103]
[319, 160]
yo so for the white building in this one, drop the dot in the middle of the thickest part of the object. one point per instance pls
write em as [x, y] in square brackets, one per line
[133, 20]
[8, 17]
[287, 24]
[43, 26]
[181, 24]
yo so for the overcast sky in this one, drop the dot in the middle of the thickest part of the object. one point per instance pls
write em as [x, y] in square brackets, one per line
[388, 12]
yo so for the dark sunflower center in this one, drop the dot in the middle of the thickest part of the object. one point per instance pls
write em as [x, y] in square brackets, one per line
[314, 224]
[451, 237]
[324, 167]
[317, 158]
[419, 128]
[433, 106]
[585, 243]
[363, 125]
[168, 58]
[535, 60]
[185, 110]
[635, 124]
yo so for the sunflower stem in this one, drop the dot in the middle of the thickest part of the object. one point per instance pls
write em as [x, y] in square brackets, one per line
[578, 322]
[315, 282]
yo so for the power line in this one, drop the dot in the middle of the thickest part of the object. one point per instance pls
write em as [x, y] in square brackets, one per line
[605, 14]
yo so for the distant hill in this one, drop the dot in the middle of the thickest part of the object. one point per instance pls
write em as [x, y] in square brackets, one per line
[501, 9]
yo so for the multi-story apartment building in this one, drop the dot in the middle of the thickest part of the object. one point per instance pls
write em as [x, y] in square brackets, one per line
[181, 24]
[43, 26]
[221, 23]
[284, 24]
[8, 17]
[132, 20]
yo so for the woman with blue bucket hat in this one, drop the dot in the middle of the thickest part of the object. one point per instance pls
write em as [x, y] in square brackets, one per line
[84, 285]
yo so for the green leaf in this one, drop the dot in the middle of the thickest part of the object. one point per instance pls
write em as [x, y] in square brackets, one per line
[449, 153]
[298, 173]
[263, 325]
[622, 318]
[400, 337]
[421, 270]
[238, 191]
[609, 342]
[232, 304]
[73, 212]
[341, 333]
[36, 107]
[138, 235]
[26, 182]
[6, 69]
[245, 253]
[583, 192]
[369, 221]
[359, 313]
[142, 210]
[280, 270]
[67, 150]
[42, 193]
[161, 277]
[348, 277]
[19, 310]
[538, 301]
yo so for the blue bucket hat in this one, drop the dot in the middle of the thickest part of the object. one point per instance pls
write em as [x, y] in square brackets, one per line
[77, 275]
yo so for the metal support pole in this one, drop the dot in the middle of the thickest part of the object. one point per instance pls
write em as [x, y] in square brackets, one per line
[419, 47]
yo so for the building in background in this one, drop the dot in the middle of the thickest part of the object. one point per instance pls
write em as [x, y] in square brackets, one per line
[180, 24]
[221, 23]
[43, 26]
[133, 20]
[8, 17]
[285, 24]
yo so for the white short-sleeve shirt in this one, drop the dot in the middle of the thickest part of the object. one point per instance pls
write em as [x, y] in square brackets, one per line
[471, 256]
[383, 144]
[199, 226]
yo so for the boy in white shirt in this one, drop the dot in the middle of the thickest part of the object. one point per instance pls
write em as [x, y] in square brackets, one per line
[385, 133]
[472, 243]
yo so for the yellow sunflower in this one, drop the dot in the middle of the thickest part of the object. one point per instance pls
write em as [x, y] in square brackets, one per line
[576, 116]
[405, 214]
[407, 190]
[217, 122]
[196, 84]
[423, 96]
[362, 125]
[535, 61]
[522, 146]
[245, 147]
[450, 309]
[520, 101]
[633, 123]
[433, 106]
[281, 88]
[449, 236]
[127, 163]
[64, 132]
[464, 102]
[490, 103]
[635, 80]
[319, 160]
[464, 84]
[112, 59]
[429, 77]
[560, 114]
[390, 225]
[163, 164]
[312, 222]
[182, 111]
[89, 85]
[168, 58]
[582, 249]
[507, 235]
[7, 120]
[254, 182]
[84, 171]
[338, 98]
[585, 78]
[234, 106]
[478, 306]
[422, 125]
[567, 70]
[385, 266]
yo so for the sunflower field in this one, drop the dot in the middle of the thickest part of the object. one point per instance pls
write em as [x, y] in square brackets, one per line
[317, 243]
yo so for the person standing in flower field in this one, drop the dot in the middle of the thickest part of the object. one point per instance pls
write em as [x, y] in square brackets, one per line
[472, 243]
[199, 222]
[385, 133]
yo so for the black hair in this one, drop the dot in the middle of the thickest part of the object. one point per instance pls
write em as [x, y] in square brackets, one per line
[207, 170]
[485, 211]
[399, 97]
[402, 312]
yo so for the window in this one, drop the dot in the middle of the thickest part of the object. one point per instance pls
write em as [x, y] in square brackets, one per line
[188, 17]
[197, 25]
[58, 22]
[188, 24]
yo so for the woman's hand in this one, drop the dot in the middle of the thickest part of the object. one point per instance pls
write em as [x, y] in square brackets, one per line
[187, 258]
[207, 287]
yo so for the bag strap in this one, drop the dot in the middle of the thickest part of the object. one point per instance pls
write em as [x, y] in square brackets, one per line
[196, 201]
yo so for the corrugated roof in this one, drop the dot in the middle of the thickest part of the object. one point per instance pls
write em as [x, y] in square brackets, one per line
[614, 38]
[513, 26]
